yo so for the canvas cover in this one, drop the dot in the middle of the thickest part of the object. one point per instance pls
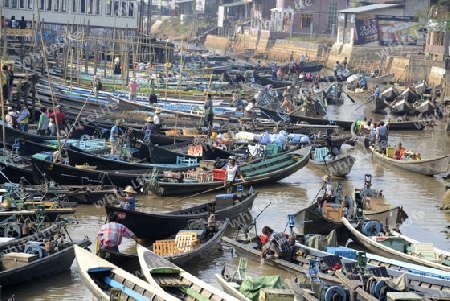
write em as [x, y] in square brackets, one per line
[399, 283]
[250, 287]
[321, 242]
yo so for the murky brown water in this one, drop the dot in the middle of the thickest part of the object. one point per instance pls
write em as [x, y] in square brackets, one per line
[419, 195]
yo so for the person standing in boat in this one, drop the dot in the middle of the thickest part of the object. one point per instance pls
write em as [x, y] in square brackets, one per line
[382, 136]
[278, 243]
[111, 234]
[24, 118]
[208, 106]
[11, 119]
[127, 202]
[157, 121]
[376, 93]
[231, 172]
[336, 68]
[5, 83]
[10, 79]
[42, 128]
[97, 85]
[133, 89]
[287, 102]
[344, 63]
[114, 139]
[60, 117]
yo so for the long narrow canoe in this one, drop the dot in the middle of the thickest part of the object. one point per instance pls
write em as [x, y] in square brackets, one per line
[336, 168]
[428, 167]
[268, 170]
[104, 280]
[440, 260]
[172, 279]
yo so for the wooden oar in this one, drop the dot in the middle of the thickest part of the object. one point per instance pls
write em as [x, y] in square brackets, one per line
[215, 188]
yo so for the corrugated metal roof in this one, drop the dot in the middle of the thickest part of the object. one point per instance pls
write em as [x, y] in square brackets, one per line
[367, 8]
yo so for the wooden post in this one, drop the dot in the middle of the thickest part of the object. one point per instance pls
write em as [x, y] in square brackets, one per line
[86, 49]
[105, 64]
[95, 57]
[33, 96]
[5, 42]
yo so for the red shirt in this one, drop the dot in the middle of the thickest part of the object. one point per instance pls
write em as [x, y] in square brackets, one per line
[60, 117]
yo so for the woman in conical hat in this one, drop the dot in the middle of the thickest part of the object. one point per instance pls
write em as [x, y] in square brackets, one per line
[128, 201]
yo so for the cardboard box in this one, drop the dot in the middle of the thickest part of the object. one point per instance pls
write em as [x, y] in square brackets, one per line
[14, 260]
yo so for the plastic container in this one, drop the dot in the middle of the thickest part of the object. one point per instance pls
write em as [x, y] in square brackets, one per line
[342, 251]
[390, 151]
[218, 174]
[271, 149]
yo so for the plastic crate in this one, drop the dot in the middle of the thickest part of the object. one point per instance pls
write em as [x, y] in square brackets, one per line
[342, 251]
[390, 151]
[271, 149]
[219, 174]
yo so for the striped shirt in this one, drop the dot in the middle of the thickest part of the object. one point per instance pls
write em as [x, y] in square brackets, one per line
[110, 235]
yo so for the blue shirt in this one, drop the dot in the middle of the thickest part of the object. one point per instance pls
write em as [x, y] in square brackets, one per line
[114, 129]
[131, 205]
[376, 92]
[363, 81]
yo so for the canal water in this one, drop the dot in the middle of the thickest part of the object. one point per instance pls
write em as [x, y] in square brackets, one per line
[419, 195]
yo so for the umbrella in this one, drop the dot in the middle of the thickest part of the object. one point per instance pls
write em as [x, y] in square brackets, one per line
[353, 77]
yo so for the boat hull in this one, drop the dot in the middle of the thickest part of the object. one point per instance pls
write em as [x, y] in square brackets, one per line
[336, 168]
[428, 167]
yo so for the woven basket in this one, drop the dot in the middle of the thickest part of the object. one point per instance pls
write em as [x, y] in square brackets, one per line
[85, 166]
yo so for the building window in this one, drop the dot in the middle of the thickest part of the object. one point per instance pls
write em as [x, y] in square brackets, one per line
[438, 38]
[97, 7]
[74, 6]
[332, 15]
[14, 4]
[42, 4]
[116, 8]
[90, 8]
[305, 20]
[30, 4]
[82, 6]
[22, 4]
[108, 7]
[6, 3]
[49, 5]
[56, 5]
[124, 9]
[64, 6]
[130, 9]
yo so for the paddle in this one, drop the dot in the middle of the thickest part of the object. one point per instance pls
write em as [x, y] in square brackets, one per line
[325, 161]
[348, 95]
[215, 188]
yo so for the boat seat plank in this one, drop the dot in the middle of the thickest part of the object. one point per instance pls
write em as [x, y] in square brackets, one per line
[125, 290]
[171, 280]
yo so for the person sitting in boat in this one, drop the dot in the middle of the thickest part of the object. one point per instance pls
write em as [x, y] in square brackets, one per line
[399, 152]
[127, 202]
[416, 156]
[110, 235]
[328, 192]
[280, 74]
[232, 171]
[248, 109]
[277, 243]
[363, 83]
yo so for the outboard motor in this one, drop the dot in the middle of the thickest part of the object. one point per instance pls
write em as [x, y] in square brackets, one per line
[34, 247]
[332, 293]
[371, 228]
[13, 230]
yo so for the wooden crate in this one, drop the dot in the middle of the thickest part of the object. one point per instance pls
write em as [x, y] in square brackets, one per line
[275, 294]
[165, 247]
[332, 211]
[14, 260]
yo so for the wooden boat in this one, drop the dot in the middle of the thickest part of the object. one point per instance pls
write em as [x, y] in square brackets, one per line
[390, 94]
[174, 280]
[266, 80]
[339, 167]
[106, 281]
[172, 222]
[275, 287]
[12, 134]
[16, 169]
[64, 174]
[48, 211]
[22, 239]
[269, 170]
[418, 253]
[428, 167]
[362, 203]
[382, 79]
[26, 262]
[345, 125]
[400, 106]
[193, 248]
[425, 107]
[299, 265]
[168, 154]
